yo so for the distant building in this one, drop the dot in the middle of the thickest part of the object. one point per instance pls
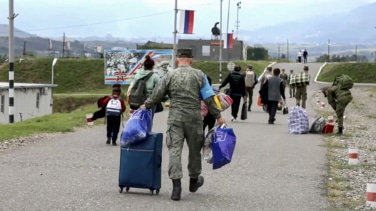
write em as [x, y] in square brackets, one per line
[208, 50]
[30, 100]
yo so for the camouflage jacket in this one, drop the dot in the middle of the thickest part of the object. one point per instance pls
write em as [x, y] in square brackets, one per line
[336, 95]
[183, 86]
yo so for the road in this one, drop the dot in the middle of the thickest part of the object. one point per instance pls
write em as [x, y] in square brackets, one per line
[271, 170]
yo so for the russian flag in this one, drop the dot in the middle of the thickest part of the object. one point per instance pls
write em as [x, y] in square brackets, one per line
[186, 21]
[228, 41]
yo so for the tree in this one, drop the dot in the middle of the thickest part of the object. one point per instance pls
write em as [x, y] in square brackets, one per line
[257, 53]
[3, 58]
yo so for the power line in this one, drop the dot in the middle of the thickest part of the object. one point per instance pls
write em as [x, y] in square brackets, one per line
[112, 21]
[103, 22]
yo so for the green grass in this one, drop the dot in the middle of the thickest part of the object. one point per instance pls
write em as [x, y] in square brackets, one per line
[212, 68]
[87, 75]
[58, 122]
[359, 72]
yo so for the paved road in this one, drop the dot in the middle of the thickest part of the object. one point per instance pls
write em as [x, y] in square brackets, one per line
[271, 170]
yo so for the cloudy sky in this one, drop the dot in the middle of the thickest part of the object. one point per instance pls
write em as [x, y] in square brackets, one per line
[155, 18]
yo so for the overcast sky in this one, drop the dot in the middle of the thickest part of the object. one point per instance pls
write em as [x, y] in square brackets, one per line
[155, 18]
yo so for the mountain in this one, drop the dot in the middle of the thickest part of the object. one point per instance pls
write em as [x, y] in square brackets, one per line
[355, 26]
[4, 29]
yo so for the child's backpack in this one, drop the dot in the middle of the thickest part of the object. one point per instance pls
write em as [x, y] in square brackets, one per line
[317, 125]
[113, 107]
[344, 82]
[298, 120]
[137, 95]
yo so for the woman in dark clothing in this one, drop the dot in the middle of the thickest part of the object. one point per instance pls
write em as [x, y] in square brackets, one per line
[237, 90]
[209, 120]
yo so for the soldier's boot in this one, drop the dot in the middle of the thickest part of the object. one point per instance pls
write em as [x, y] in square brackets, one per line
[195, 183]
[176, 190]
[340, 131]
[108, 141]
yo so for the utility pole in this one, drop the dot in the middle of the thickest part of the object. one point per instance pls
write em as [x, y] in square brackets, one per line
[237, 18]
[24, 49]
[329, 50]
[279, 52]
[288, 52]
[228, 15]
[220, 43]
[356, 53]
[63, 44]
[175, 32]
[11, 18]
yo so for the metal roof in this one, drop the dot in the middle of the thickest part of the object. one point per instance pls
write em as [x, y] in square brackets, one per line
[5, 85]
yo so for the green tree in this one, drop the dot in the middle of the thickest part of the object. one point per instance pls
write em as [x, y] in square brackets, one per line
[257, 53]
[3, 58]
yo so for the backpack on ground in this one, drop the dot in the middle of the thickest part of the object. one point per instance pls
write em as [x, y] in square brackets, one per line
[298, 122]
[137, 95]
[113, 107]
[344, 82]
[317, 125]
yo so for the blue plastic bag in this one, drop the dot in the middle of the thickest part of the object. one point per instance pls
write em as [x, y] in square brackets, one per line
[223, 146]
[137, 128]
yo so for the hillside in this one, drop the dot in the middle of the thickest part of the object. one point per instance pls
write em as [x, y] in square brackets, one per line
[87, 75]
[359, 72]
[349, 27]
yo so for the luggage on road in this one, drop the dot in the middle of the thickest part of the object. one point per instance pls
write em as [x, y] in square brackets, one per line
[317, 125]
[243, 115]
[298, 122]
[140, 164]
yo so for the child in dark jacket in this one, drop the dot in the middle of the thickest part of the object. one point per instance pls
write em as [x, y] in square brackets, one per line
[115, 107]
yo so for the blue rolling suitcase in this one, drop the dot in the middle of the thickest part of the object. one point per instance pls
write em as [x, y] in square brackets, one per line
[140, 165]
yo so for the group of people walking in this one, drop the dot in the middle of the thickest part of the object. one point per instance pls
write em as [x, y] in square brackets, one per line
[185, 123]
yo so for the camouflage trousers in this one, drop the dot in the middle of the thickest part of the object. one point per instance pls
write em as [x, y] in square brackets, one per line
[301, 95]
[176, 133]
[340, 107]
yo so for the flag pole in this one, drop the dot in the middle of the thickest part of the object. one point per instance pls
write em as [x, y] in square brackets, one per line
[175, 32]
[220, 45]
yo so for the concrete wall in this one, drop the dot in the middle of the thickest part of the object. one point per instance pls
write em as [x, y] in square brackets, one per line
[209, 50]
[25, 102]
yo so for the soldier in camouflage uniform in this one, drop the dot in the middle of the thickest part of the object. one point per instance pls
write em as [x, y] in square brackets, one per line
[183, 86]
[338, 99]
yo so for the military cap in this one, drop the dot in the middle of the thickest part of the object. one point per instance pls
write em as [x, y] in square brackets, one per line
[306, 68]
[184, 52]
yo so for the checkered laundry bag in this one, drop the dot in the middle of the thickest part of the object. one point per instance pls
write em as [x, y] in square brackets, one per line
[298, 122]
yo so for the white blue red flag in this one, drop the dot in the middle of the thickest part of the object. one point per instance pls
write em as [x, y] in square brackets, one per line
[186, 21]
[228, 41]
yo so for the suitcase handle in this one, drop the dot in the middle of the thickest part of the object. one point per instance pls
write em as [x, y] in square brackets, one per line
[160, 161]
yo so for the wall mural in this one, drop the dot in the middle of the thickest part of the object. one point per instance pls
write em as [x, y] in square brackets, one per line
[120, 66]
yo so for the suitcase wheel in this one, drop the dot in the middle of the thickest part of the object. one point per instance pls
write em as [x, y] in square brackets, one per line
[151, 191]
[157, 191]
[121, 189]
[127, 189]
